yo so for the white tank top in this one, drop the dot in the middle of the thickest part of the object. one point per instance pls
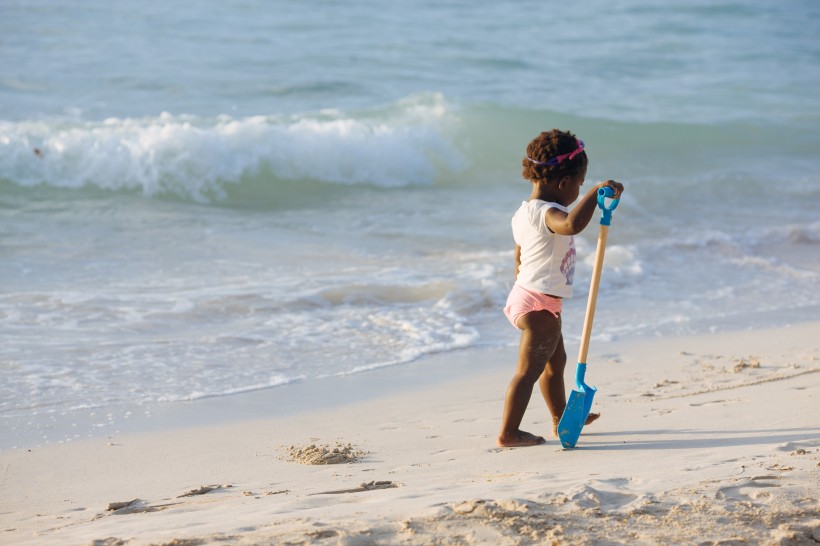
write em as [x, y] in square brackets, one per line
[547, 259]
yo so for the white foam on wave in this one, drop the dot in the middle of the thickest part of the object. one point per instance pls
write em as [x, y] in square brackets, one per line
[622, 262]
[275, 381]
[402, 145]
[808, 234]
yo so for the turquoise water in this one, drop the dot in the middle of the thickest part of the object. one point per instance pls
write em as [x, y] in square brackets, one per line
[204, 198]
[636, 60]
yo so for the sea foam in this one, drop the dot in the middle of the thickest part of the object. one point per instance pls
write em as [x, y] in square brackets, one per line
[400, 145]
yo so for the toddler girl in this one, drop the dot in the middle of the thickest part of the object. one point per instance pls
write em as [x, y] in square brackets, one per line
[543, 229]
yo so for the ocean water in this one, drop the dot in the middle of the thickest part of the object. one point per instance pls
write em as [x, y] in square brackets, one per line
[205, 198]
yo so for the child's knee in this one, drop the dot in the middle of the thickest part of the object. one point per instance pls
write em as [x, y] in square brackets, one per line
[560, 357]
[532, 372]
[558, 360]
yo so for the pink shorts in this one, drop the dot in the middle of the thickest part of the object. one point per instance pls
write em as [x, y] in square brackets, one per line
[522, 301]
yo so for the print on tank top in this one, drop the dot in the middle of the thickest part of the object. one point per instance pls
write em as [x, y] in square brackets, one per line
[568, 265]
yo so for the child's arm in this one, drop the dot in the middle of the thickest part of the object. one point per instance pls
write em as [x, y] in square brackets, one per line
[578, 218]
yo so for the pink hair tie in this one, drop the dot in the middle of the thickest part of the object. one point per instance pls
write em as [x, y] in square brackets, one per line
[557, 160]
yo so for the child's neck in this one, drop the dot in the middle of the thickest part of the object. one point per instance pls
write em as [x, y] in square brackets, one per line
[544, 192]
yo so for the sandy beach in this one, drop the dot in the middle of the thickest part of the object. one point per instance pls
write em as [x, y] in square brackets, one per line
[254, 256]
[703, 440]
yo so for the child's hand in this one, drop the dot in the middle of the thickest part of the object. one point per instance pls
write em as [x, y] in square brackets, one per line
[617, 187]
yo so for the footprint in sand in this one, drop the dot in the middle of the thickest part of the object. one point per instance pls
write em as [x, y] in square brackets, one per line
[747, 490]
[781, 468]
[368, 486]
[712, 402]
[798, 448]
[137, 506]
[203, 489]
[589, 497]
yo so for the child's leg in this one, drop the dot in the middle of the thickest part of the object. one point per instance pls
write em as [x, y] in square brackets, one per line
[541, 333]
[552, 386]
[551, 381]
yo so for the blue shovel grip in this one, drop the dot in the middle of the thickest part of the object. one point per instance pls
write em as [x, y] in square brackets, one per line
[606, 211]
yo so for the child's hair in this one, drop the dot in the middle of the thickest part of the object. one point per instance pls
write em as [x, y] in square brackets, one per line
[547, 145]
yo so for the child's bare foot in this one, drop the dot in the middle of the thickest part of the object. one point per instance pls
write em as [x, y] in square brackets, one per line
[520, 439]
[555, 420]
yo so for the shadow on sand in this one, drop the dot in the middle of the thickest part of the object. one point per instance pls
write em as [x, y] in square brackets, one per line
[693, 439]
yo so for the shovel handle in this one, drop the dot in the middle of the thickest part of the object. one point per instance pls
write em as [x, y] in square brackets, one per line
[606, 218]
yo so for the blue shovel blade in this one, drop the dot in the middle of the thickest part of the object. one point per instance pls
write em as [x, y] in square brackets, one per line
[572, 421]
[576, 412]
[588, 402]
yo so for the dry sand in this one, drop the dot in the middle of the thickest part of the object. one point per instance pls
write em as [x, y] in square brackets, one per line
[703, 440]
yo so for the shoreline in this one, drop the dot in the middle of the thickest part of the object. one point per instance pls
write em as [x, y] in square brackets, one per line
[322, 393]
[699, 435]
[25, 431]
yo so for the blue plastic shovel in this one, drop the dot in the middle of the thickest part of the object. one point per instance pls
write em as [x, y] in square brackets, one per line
[580, 399]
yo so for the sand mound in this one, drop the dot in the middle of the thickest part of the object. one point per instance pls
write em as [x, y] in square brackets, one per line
[325, 454]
